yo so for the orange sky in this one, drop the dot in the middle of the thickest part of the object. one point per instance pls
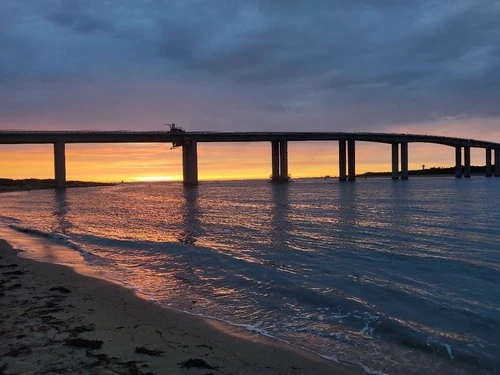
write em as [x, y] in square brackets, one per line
[133, 162]
[422, 68]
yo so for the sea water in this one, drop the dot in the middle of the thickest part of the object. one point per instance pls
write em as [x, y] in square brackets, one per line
[397, 277]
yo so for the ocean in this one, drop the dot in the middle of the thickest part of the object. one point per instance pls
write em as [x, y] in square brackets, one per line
[397, 277]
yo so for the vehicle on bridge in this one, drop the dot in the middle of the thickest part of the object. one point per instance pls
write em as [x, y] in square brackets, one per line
[178, 130]
[175, 129]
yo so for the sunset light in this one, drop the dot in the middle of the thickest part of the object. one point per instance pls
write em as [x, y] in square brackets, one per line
[307, 174]
[156, 178]
[231, 161]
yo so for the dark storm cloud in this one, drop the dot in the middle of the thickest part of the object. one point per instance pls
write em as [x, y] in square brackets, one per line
[368, 63]
[79, 20]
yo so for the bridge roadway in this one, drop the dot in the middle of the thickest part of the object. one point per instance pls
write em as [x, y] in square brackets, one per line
[279, 148]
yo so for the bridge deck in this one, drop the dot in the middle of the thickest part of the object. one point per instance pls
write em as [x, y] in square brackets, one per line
[40, 137]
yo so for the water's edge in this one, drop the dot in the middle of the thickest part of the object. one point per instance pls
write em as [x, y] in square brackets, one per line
[399, 277]
[27, 248]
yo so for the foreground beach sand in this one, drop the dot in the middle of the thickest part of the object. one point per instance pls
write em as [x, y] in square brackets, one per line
[55, 321]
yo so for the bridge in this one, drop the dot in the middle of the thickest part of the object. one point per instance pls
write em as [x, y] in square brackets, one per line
[188, 141]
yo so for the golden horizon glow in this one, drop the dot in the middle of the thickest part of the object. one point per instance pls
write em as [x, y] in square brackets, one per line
[154, 178]
[230, 161]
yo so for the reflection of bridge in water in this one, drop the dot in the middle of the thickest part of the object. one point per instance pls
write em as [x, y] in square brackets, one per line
[279, 148]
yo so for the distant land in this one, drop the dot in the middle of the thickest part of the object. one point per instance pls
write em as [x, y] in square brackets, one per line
[434, 171]
[7, 184]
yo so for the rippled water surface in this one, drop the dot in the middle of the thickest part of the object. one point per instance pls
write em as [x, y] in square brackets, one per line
[397, 277]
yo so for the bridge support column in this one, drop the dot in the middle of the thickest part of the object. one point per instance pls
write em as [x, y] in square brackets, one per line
[284, 161]
[404, 161]
[351, 160]
[395, 161]
[458, 162]
[275, 157]
[467, 162]
[488, 170]
[60, 165]
[342, 160]
[497, 162]
[279, 156]
[190, 163]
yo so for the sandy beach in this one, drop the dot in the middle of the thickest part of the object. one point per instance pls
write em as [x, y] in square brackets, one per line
[55, 321]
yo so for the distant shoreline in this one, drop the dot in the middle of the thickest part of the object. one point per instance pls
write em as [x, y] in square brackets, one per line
[26, 184]
[434, 171]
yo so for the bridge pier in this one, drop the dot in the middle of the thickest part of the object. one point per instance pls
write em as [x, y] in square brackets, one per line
[404, 160]
[342, 160]
[60, 165]
[190, 163]
[458, 162]
[351, 160]
[279, 156]
[395, 161]
[467, 162]
[275, 157]
[488, 170]
[497, 162]
[284, 161]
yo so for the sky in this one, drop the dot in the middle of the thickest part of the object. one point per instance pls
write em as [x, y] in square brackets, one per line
[424, 67]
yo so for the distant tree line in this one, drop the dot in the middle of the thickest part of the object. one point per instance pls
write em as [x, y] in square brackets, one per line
[8, 184]
[430, 171]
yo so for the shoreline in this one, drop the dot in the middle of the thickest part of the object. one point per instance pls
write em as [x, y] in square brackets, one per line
[27, 184]
[54, 320]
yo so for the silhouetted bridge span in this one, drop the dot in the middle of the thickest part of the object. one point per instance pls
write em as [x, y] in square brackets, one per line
[279, 148]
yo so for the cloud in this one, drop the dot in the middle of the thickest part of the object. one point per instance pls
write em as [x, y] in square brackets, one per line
[237, 65]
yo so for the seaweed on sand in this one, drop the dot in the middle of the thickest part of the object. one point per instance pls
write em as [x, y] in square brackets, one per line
[84, 343]
[143, 350]
[60, 289]
[196, 363]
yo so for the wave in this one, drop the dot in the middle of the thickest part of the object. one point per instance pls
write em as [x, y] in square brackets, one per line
[479, 355]
[9, 219]
[58, 237]
[61, 239]
[346, 311]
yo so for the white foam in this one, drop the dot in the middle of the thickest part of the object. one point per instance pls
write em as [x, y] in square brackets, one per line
[53, 236]
[448, 349]
[260, 331]
[372, 372]
[367, 330]
[59, 237]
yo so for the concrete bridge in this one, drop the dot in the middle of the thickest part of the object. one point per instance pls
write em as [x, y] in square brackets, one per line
[279, 148]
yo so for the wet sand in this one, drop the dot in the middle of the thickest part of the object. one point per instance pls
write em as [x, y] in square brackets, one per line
[55, 321]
